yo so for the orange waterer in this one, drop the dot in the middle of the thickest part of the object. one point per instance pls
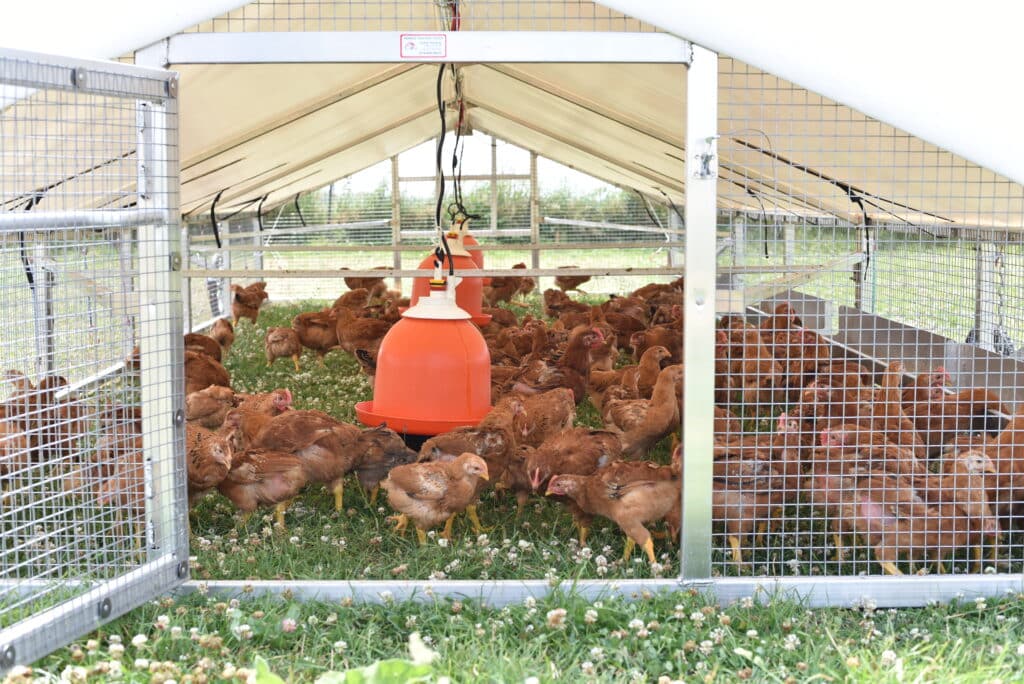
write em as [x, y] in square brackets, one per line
[433, 371]
[469, 293]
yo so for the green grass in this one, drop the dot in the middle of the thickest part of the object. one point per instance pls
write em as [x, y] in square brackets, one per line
[665, 637]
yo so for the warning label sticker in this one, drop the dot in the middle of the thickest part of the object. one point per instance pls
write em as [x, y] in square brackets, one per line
[423, 45]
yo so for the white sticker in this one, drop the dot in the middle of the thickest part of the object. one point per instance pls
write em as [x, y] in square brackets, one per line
[423, 45]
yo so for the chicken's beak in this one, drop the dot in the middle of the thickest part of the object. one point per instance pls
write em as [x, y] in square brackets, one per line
[485, 476]
[990, 468]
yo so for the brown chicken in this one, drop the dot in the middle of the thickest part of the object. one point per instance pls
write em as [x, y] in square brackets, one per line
[380, 449]
[252, 414]
[203, 345]
[317, 330]
[353, 299]
[504, 288]
[327, 447]
[570, 282]
[557, 303]
[224, 333]
[661, 418]
[359, 333]
[209, 407]
[375, 287]
[247, 301]
[432, 493]
[630, 415]
[545, 415]
[889, 417]
[209, 460]
[852, 447]
[283, 343]
[660, 335]
[629, 494]
[492, 439]
[201, 371]
[939, 416]
[572, 370]
[261, 477]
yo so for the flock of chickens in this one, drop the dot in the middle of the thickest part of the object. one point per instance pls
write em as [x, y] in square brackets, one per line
[909, 467]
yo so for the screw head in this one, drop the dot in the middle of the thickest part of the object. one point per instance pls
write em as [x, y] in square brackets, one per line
[179, 417]
[104, 609]
[7, 656]
[183, 570]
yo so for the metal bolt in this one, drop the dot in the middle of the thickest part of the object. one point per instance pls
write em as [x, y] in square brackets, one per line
[179, 417]
[104, 609]
[175, 262]
[182, 569]
[172, 86]
[7, 657]
[699, 300]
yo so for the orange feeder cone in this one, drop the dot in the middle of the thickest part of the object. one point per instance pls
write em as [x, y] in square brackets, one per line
[433, 370]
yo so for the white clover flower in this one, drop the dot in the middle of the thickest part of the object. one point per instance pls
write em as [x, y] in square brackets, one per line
[587, 668]
[115, 669]
[1020, 650]
[635, 624]
[597, 653]
[340, 646]
[643, 633]
[139, 640]
[142, 663]
[442, 542]
[530, 602]
[175, 632]
[590, 617]
[531, 680]
[74, 674]
[752, 633]
[410, 622]
[289, 625]
[697, 618]
[791, 642]
[706, 647]
[888, 658]
[117, 651]
[556, 618]
[979, 603]
[600, 560]
[387, 596]
[717, 635]
[747, 602]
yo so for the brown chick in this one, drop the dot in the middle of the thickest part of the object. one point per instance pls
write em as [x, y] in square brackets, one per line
[353, 299]
[939, 415]
[572, 370]
[492, 439]
[201, 371]
[203, 345]
[557, 303]
[432, 493]
[635, 496]
[208, 407]
[282, 343]
[546, 415]
[380, 450]
[570, 282]
[209, 460]
[260, 477]
[658, 335]
[327, 447]
[374, 286]
[224, 333]
[316, 330]
[630, 415]
[247, 301]
[359, 333]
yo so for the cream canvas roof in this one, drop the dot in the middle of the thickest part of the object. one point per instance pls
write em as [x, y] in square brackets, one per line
[249, 130]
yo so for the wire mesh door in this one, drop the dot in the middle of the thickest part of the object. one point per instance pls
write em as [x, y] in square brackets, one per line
[867, 356]
[93, 505]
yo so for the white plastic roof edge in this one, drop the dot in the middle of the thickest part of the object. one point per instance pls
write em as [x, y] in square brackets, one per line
[942, 71]
[107, 29]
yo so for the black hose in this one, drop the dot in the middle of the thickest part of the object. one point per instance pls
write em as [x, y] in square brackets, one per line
[213, 218]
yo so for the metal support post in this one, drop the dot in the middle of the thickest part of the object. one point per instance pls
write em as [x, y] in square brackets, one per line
[534, 216]
[125, 240]
[699, 313]
[396, 220]
[224, 262]
[163, 420]
[986, 294]
[42, 309]
[675, 256]
[494, 184]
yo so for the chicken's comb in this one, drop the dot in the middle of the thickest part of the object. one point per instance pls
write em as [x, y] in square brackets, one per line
[783, 417]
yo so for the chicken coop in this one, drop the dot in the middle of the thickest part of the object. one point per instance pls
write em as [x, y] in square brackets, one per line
[851, 357]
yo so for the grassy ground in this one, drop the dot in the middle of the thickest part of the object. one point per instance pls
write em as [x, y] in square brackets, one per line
[661, 638]
[357, 542]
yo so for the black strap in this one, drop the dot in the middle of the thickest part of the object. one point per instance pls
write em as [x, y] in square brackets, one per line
[213, 218]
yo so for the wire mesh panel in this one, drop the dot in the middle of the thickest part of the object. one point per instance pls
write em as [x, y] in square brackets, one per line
[868, 349]
[93, 485]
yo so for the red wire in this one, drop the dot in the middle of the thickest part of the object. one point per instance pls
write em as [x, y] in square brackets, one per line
[456, 23]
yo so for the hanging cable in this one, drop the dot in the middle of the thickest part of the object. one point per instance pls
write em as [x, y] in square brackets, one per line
[298, 210]
[213, 218]
[442, 249]
[29, 205]
[859, 201]
[259, 212]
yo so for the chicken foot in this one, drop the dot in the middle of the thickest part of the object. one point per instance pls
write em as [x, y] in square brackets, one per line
[401, 522]
[474, 520]
[737, 551]
[647, 546]
[295, 360]
[339, 495]
[279, 510]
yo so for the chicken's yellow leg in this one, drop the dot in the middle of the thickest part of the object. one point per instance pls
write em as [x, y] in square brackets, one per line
[584, 531]
[890, 568]
[401, 522]
[295, 360]
[373, 495]
[648, 546]
[447, 532]
[421, 536]
[475, 520]
[279, 510]
[339, 495]
[940, 568]
[628, 550]
[245, 518]
[837, 539]
[737, 552]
